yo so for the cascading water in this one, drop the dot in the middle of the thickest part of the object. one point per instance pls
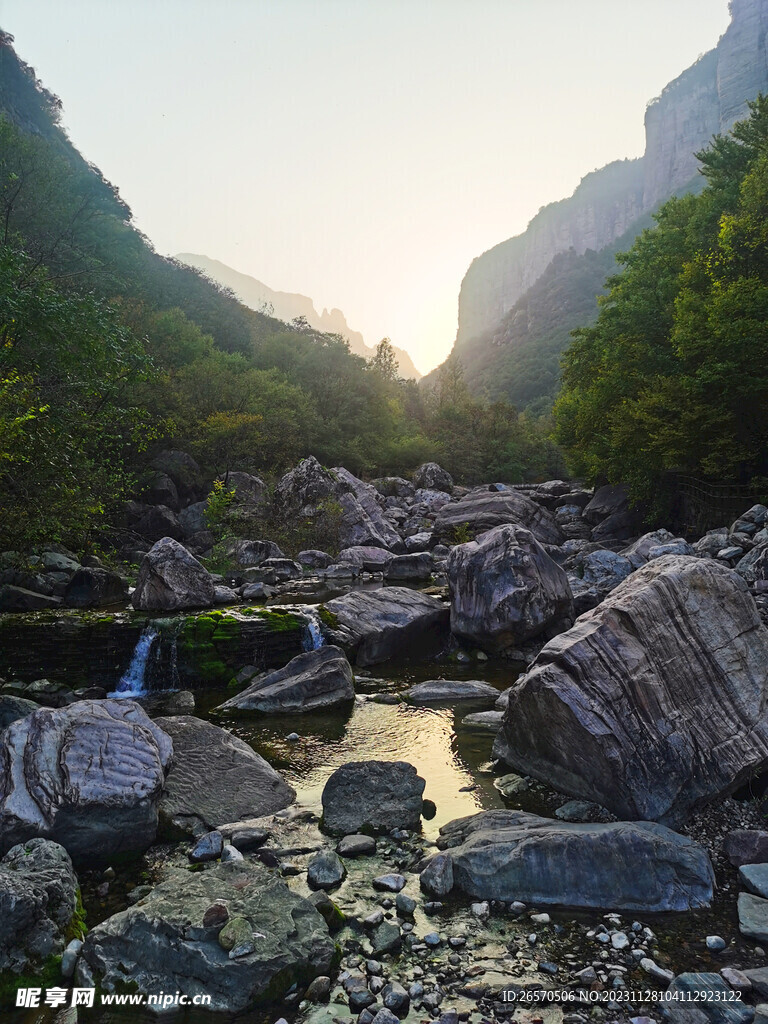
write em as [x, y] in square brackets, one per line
[313, 635]
[133, 681]
[153, 666]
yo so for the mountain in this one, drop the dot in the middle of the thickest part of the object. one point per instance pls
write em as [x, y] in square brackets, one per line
[706, 99]
[289, 305]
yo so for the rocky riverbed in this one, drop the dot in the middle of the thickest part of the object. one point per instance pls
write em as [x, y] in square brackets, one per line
[498, 757]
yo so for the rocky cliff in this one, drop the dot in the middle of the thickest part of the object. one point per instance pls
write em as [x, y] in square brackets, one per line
[289, 305]
[706, 99]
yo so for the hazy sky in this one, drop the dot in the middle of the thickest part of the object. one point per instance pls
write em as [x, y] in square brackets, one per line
[361, 152]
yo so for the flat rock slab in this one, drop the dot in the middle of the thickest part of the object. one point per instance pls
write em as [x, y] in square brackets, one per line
[754, 877]
[161, 945]
[376, 625]
[449, 691]
[88, 776]
[753, 917]
[637, 866]
[215, 778]
[712, 997]
[654, 702]
[487, 720]
[311, 681]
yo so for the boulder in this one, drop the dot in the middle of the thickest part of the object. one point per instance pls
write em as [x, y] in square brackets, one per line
[432, 477]
[506, 589]
[254, 552]
[363, 521]
[602, 570]
[638, 553]
[483, 510]
[160, 944]
[367, 558]
[372, 797]
[19, 599]
[38, 906]
[192, 518]
[746, 846]
[394, 487]
[171, 579]
[450, 691]
[608, 501]
[653, 703]
[415, 566]
[375, 625]
[708, 996]
[158, 522]
[95, 588]
[754, 565]
[215, 778]
[249, 489]
[314, 559]
[13, 708]
[184, 471]
[306, 485]
[753, 916]
[314, 680]
[634, 866]
[159, 489]
[88, 776]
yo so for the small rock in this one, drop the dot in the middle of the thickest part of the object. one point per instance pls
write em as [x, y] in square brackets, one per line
[325, 870]
[230, 854]
[389, 883]
[715, 943]
[208, 847]
[356, 846]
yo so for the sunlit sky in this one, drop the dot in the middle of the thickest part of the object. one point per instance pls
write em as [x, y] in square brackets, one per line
[361, 152]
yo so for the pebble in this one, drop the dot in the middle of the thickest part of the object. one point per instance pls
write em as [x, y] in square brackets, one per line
[230, 854]
[540, 918]
[619, 940]
[481, 910]
[293, 737]
[404, 904]
[69, 958]
[432, 939]
[715, 943]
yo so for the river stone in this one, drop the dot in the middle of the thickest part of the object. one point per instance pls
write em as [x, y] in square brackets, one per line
[366, 558]
[372, 797]
[356, 846]
[653, 703]
[415, 566]
[437, 877]
[215, 778]
[38, 902]
[449, 691]
[309, 682]
[325, 870]
[250, 553]
[753, 917]
[717, 1010]
[506, 589]
[637, 866]
[375, 625]
[363, 521]
[207, 847]
[482, 510]
[386, 938]
[488, 720]
[13, 708]
[160, 944]
[431, 477]
[88, 776]
[171, 579]
[746, 846]
[754, 878]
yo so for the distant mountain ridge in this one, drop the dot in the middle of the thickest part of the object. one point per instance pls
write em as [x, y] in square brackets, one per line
[289, 305]
[706, 99]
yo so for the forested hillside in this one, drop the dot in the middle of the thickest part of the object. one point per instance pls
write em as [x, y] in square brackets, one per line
[110, 351]
[674, 373]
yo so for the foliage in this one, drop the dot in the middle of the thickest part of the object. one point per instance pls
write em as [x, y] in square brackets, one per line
[674, 374]
[220, 501]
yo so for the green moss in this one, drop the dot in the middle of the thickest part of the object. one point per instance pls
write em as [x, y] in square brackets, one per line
[279, 620]
[327, 617]
[77, 928]
[47, 976]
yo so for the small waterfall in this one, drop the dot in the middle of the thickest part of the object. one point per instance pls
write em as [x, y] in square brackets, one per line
[313, 635]
[133, 681]
[153, 666]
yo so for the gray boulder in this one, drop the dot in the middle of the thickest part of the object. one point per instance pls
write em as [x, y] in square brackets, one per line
[215, 778]
[306, 486]
[363, 521]
[432, 477]
[38, 905]
[374, 625]
[505, 589]
[192, 518]
[367, 558]
[316, 679]
[608, 501]
[157, 522]
[653, 703]
[88, 776]
[13, 708]
[753, 916]
[633, 866]
[160, 944]
[483, 510]
[20, 599]
[638, 553]
[602, 570]
[249, 489]
[95, 588]
[254, 552]
[415, 566]
[450, 691]
[372, 797]
[708, 996]
[183, 470]
[171, 579]
[314, 559]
